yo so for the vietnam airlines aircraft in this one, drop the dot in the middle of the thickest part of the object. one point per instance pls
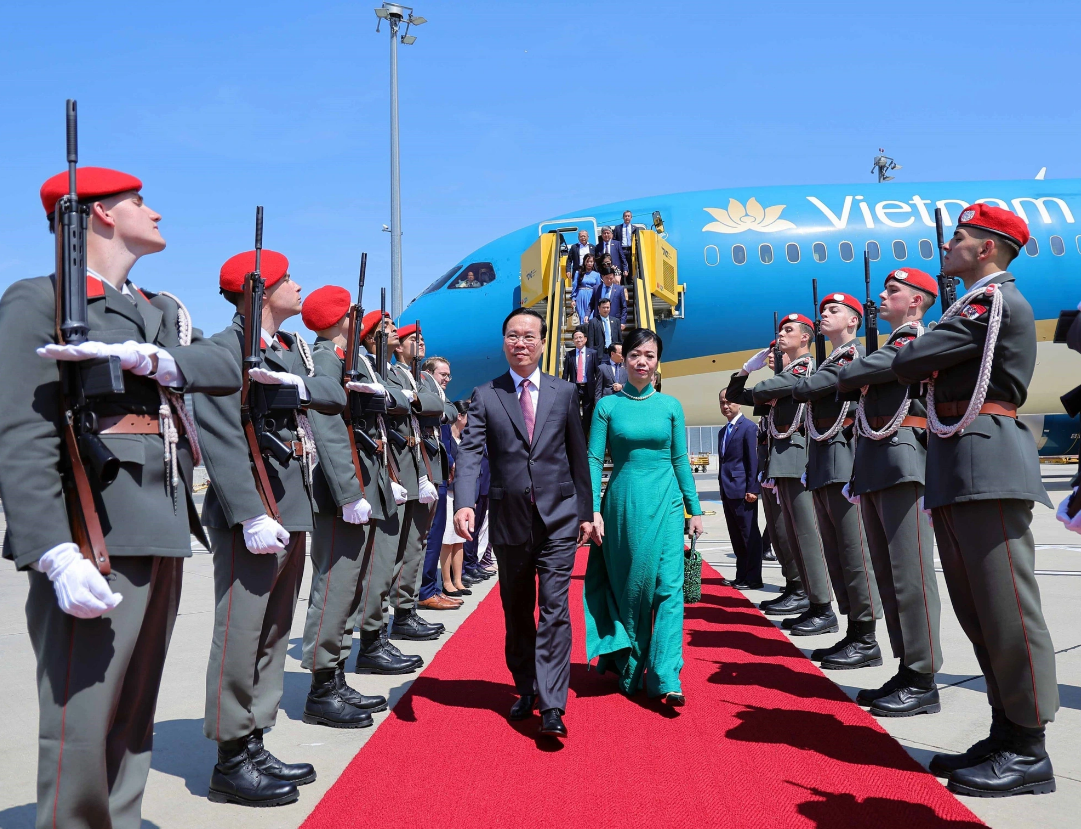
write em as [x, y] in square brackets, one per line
[747, 252]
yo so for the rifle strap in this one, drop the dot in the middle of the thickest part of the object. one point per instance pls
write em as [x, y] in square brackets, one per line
[91, 541]
[304, 426]
[262, 480]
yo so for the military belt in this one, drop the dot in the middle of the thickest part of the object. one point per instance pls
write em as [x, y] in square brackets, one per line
[132, 424]
[912, 421]
[957, 408]
[825, 424]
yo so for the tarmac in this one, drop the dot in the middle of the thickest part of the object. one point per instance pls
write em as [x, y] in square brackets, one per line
[183, 758]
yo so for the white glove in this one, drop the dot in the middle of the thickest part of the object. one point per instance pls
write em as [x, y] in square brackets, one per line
[263, 535]
[357, 512]
[757, 361]
[81, 591]
[277, 378]
[1074, 523]
[803, 479]
[428, 493]
[401, 494]
[411, 396]
[134, 357]
[847, 492]
[366, 388]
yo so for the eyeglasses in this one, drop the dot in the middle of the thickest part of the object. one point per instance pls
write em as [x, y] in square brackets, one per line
[525, 339]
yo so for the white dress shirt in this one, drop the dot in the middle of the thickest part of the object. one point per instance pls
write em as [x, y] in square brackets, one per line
[534, 385]
[728, 430]
[983, 282]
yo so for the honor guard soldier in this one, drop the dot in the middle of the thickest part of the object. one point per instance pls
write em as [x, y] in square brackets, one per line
[829, 469]
[343, 540]
[888, 482]
[100, 640]
[258, 561]
[983, 475]
[787, 466]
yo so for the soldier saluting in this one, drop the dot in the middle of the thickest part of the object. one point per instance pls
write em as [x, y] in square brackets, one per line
[983, 474]
[98, 675]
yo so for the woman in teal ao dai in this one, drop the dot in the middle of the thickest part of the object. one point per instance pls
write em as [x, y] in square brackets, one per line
[634, 578]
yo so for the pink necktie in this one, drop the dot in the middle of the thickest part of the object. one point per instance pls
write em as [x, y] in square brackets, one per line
[526, 402]
[581, 366]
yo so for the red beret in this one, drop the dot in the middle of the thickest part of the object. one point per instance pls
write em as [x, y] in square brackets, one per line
[997, 220]
[90, 183]
[407, 331]
[795, 318]
[916, 279]
[846, 300]
[371, 319]
[325, 306]
[273, 266]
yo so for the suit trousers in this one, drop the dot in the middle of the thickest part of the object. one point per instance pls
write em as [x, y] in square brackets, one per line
[366, 612]
[797, 504]
[538, 652]
[845, 548]
[901, 543]
[255, 597]
[430, 575]
[98, 685]
[585, 400]
[412, 545]
[989, 561]
[340, 553]
[742, 521]
[778, 536]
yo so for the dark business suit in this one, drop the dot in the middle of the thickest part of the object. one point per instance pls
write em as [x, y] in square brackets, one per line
[574, 261]
[624, 239]
[618, 297]
[589, 391]
[610, 375]
[615, 248]
[540, 493]
[737, 476]
[595, 337]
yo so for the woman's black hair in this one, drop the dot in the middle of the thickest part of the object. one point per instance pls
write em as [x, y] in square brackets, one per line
[640, 336]
[462, 406]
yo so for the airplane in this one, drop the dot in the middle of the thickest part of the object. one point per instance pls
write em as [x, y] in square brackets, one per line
[747, 252]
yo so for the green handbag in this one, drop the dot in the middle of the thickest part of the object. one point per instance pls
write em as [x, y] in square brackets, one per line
[692, 573]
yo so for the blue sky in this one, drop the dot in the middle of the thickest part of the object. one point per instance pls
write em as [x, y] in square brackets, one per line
[511, 112]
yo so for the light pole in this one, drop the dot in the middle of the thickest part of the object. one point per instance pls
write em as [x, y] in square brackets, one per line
[395, 15]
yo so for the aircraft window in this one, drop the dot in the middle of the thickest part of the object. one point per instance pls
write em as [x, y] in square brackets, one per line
[739, 254]
[900, 252]
[927, 250]
[874, 251]
[1032, 248]
[1057, 247]
[818, 250]
[443, 280]
[846, 251]
[474, 275]
[765, 253]
[1077, 242]
[792, 252]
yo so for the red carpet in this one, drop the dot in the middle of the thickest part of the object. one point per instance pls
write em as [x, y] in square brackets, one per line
[765, 742]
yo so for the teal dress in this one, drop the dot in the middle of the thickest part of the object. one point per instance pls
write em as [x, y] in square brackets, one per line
[634, 580]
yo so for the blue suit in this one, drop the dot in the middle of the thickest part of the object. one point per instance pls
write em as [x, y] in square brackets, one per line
[737, 448]
[618, 296]
[619, 260]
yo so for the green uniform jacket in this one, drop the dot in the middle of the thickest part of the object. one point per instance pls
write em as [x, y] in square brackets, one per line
[399, 420]
[788, 457]
[233, 497]
[900, 458]
[137, 512]
[996, 456]
[429, 427]
[828, 461]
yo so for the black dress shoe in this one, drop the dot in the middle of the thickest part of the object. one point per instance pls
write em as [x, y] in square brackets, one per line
[468, 581]
[944, 765]
[325, 705]
[1020, 766]
[523, 708]
[769, 555]
[793, 604]
[916, 695]
[296, 773]
[237, 780]
[726, 583]
[748, 585]
[457, 594]
[409, 626]
[373, 704]
[819, 618]
[552, 724]
[862, 650]
[378, 656]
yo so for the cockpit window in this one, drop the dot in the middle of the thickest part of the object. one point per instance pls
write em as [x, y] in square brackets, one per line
[443, 280]
[473, 275]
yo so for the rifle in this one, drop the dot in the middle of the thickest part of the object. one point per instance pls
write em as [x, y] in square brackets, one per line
[89, 378]
[778, 357]
[947, 286]
[820, 341]
[354, 409]
[416, 355]
[870, 308]
[381, 337]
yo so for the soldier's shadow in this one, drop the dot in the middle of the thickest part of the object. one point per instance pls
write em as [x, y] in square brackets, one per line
[23, 817]
[181, 750]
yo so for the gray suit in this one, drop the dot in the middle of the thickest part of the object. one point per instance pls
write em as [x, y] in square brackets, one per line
[539, 495]
[98, 678]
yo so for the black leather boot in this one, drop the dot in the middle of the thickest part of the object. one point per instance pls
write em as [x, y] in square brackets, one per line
[915, 694]
[944, 765]
[819, 618]
[371, 704]
[420, 620]
[818, 654]
[378, 656]
[1019, 766]
[790, 603]
[325, 705]
[296, 773]
[237, 780]
[869, 695]
[862, 650]
[410, 626]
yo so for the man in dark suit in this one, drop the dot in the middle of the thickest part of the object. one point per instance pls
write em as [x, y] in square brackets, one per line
[541, 509]
[608, 246]
[737, 450]
[624, 234]
[578, 252]
[603, 329]
[613, 373]
[580, 368]
[611, 290]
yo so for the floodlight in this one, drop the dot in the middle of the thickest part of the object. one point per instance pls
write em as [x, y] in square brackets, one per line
[416, 21]
[408, 40]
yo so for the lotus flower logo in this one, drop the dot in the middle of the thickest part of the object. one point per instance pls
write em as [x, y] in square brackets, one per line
[737, 218]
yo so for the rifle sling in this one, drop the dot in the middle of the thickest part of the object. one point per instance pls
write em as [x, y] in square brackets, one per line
[262, 480]
[85, 525]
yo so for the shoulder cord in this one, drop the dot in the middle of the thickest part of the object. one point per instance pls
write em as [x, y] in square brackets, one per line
[983, 379]
[863, 425]
[304, 426]
[797, 420]
[838, 424]
[171, 401]
[378, 418]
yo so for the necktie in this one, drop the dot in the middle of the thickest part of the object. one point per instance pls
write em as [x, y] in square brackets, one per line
[724, 438]
[607, 332]
[525, 400]
[581, 366]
